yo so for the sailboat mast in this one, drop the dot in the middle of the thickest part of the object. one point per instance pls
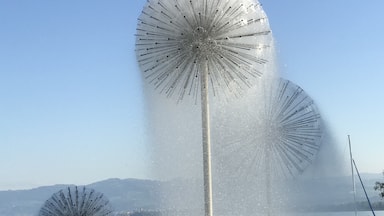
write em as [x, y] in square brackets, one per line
[353, 175]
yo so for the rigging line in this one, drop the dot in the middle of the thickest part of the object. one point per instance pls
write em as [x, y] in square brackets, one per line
[365, 192]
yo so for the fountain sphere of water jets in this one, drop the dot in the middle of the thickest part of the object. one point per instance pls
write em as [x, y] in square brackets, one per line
[284, 132]
[280, 134]
[183, 46]
[76, 202]
[179, 39]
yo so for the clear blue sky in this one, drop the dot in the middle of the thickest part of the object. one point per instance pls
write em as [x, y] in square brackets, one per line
[71, 102]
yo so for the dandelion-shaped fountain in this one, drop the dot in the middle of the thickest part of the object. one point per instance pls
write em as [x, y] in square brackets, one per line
[185, 46]
[281, 135]
[76, 201]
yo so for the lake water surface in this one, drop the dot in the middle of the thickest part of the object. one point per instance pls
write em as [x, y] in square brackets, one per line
[360, 213]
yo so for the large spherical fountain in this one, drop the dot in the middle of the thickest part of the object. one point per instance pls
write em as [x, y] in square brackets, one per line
[188, 47]
[180, 43]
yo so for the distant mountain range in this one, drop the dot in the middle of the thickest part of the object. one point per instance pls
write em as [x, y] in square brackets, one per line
[134, 194]
[336, 193]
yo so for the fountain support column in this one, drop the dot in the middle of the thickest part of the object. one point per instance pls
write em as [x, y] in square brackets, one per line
[206, 136]
[268, 180]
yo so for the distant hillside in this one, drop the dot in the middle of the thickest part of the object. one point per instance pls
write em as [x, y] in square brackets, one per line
[336, 193]
[134, 194]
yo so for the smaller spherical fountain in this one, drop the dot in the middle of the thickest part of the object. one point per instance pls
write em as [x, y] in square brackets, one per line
[75, 201]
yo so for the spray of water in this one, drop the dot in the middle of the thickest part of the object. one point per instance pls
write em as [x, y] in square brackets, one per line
[266, 131]
[215, 47]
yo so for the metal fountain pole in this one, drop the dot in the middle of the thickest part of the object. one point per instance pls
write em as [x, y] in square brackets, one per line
[268, 180]
[206, 140]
